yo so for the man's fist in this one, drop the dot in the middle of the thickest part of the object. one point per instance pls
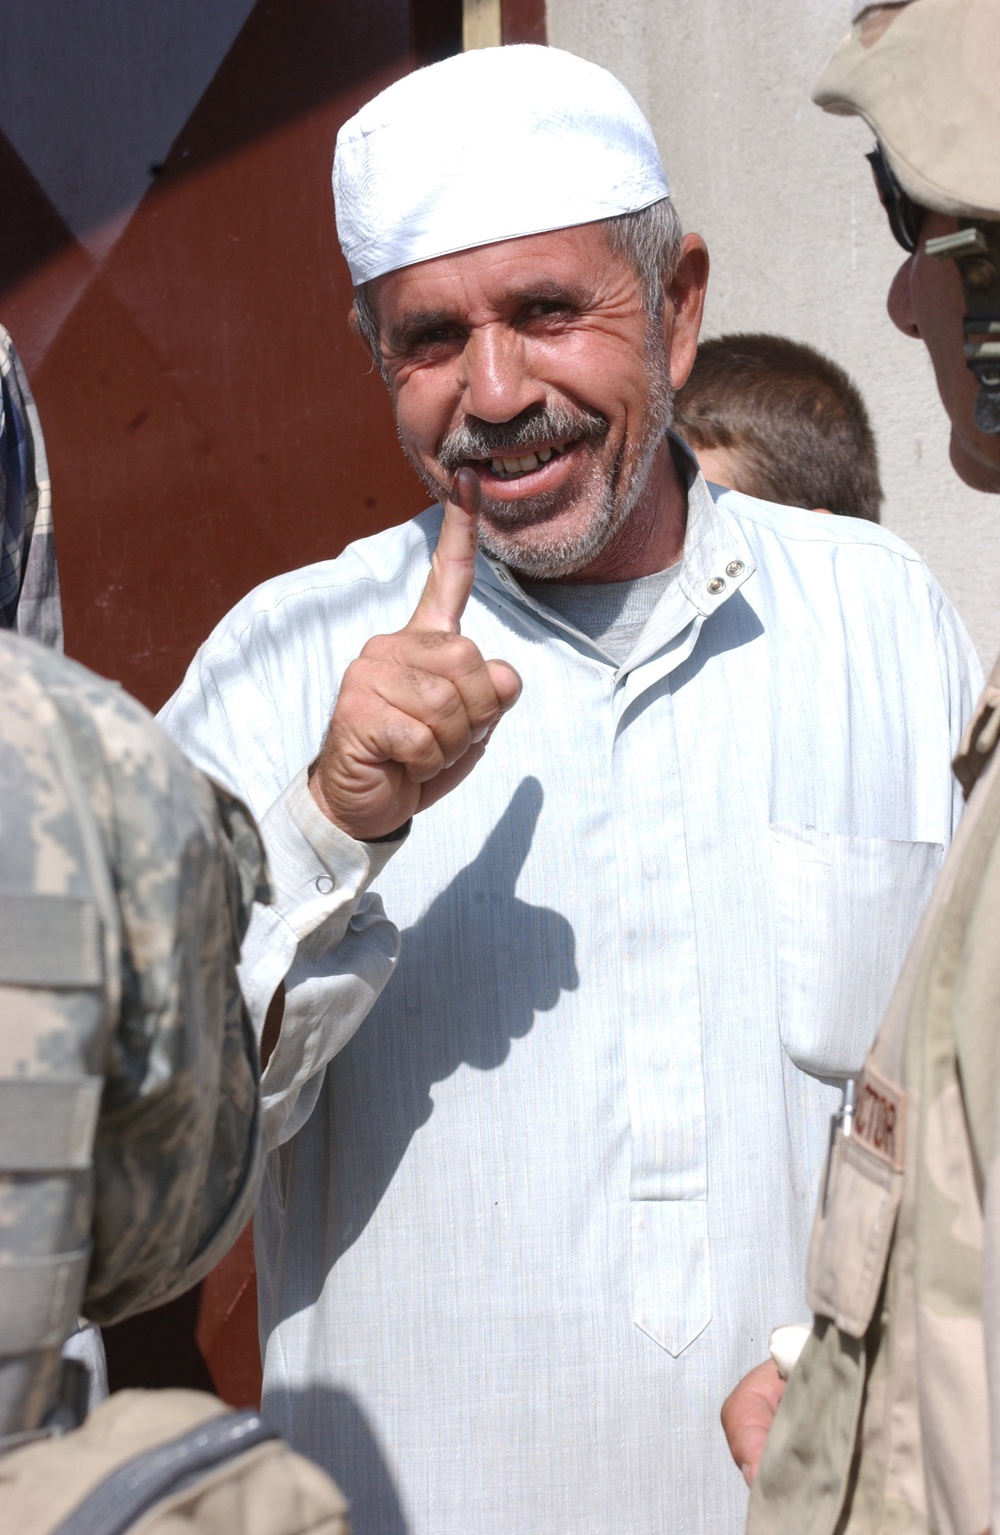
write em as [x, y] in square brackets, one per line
[416, 708]
[747, 1415]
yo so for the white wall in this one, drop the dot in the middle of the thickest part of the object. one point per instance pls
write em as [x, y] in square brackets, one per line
[799, 244]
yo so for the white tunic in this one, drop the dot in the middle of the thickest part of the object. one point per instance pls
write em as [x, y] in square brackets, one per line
[531, 1218]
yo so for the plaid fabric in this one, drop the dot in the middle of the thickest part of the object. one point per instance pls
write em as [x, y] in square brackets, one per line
[29, 578]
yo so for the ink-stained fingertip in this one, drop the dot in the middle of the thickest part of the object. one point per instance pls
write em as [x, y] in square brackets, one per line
[465, 490]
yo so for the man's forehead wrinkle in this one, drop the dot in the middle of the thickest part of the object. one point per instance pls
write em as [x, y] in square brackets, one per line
[549, 288]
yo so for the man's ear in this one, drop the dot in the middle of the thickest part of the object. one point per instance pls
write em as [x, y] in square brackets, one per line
[683, 306]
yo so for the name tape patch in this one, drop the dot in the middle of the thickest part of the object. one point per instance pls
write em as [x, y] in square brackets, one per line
[879, 1116]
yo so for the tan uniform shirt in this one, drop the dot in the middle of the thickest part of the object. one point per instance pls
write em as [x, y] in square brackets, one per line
[885, 1426]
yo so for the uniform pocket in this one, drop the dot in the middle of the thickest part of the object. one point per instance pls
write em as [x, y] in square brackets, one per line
[846, 910]
[852, 1234]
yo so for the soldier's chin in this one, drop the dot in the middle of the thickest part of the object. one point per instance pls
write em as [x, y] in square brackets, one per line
[975, 458]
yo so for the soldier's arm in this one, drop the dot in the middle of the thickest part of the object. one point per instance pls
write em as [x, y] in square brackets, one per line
[178, 1144]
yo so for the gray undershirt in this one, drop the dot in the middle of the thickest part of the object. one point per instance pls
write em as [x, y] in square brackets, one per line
[611, 613]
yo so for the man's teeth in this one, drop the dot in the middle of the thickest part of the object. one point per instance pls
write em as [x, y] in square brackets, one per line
[508, 467]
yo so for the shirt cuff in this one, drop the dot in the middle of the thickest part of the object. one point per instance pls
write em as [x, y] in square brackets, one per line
[317, 870]
[786, 1344]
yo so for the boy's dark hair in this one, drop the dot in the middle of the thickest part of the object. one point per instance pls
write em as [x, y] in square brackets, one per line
[794, 419]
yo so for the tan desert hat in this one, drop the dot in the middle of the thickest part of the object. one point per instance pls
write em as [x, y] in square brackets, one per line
[925, 76]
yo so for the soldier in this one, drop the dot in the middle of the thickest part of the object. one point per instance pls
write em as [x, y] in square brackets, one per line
[129, 1110]
[129, 1129]
[886, 1423]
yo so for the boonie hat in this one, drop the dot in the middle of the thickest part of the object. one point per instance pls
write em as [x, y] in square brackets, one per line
[485, 146]
[925, 76]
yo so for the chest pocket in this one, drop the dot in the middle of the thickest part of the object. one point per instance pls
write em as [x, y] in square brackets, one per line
[846, 909]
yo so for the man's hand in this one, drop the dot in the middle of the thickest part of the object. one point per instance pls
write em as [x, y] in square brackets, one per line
[747, 1415]
[416, 708]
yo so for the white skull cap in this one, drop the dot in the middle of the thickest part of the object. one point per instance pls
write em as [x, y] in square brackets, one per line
[485, 146]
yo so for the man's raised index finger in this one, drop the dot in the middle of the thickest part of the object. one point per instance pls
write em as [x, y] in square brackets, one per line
[453, 565]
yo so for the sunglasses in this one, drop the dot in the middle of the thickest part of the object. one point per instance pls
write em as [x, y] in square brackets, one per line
[905, 216]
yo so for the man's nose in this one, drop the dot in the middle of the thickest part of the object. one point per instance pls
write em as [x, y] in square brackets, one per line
[498, 384]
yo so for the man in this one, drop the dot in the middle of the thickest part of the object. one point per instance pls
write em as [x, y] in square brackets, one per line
[891, 1420]
[517, 1221]
[778, 420]
[29, 577]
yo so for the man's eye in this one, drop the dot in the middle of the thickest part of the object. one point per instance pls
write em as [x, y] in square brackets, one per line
[435, 335]
[547, 309]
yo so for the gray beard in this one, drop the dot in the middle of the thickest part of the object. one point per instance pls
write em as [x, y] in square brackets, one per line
[622, 491]
[565, 556]
[619, 495]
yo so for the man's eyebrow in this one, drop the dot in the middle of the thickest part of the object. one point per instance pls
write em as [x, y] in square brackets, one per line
[415, 324]
[542, 290]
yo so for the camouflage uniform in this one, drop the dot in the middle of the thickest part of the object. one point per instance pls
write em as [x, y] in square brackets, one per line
[129, 1139]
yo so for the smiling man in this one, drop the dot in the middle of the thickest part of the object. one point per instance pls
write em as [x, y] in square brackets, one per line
[495, 373]
[532, 1204]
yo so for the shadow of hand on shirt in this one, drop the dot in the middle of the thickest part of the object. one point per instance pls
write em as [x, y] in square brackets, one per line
[473, 972]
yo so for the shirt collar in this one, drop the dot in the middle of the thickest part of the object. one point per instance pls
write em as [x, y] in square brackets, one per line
[716, 560]
[714, 564]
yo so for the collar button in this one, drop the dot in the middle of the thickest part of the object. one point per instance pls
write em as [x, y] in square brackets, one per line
[734, 568]
[716, 585]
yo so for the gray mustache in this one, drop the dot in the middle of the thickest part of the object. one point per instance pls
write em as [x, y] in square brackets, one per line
[491, 439]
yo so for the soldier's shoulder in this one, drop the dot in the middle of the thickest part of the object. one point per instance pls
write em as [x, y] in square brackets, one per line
[24, 662]
[106, 724]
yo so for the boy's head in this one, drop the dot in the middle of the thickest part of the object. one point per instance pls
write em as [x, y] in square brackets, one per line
[777, 420]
